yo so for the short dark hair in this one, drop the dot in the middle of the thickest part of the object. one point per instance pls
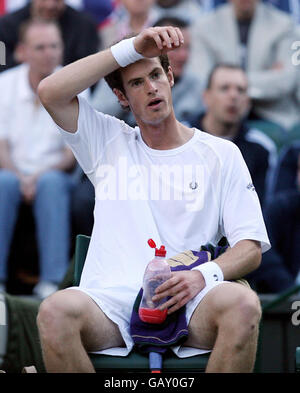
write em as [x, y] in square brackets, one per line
[229, 66]
[114, 79]
[168, 3]
[172, 21]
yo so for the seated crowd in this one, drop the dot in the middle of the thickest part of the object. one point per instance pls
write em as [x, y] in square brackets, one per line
[234, 78]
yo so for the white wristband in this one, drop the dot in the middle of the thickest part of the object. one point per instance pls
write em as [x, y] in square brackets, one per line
[124, 52]
[211, 272]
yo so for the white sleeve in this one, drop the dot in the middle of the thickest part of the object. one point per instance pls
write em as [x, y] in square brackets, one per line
[241, 213]
[95, 130]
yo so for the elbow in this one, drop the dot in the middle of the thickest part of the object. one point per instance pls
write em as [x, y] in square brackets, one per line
[45, 93]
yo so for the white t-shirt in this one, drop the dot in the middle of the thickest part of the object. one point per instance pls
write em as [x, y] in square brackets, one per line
[182, 198]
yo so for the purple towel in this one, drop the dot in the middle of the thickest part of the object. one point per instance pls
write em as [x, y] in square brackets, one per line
[173, 331]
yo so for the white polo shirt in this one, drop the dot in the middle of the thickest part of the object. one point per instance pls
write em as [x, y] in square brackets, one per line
[26, 125]
[182, 198]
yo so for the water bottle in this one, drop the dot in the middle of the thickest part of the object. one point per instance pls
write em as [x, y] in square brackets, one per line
[156, 273]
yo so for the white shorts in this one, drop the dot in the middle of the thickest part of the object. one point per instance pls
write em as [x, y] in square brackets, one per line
[123, 324]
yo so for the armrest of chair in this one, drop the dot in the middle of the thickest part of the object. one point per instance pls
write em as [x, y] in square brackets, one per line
[281, 297]
[81, 248]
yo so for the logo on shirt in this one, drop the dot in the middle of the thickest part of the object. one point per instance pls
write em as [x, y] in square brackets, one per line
[193, 185]
[251, 187]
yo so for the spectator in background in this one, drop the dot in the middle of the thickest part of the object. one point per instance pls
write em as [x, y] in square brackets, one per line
[34, 160]
[285, 174]
[292, 7]
[280, 266]
[258, 37]
[209, 5]
[79, 31]
[98, 10]
[191, 10]
[227, 102]
[130, 17]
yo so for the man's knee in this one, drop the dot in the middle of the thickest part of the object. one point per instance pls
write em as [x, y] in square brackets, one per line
[58, 319]
[72, 316]
[245, 303]
[240, 315]
[231, 310]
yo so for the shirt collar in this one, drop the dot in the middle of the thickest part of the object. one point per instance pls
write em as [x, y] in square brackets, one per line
[25, 91]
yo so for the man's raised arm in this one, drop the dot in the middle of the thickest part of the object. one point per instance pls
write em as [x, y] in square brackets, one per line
[58, 91]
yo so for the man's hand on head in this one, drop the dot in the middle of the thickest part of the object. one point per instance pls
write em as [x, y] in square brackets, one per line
[182, 287]
[155, 41]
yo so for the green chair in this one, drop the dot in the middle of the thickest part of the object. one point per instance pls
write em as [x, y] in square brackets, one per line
[297, 360]
[272, 130]
[281, 297]
[134, 361]
[293, 134]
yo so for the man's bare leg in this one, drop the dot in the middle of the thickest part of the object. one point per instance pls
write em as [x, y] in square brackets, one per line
[70, 324]
[227, 320]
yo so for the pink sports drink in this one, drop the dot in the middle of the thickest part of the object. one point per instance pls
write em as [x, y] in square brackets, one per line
[156, 273]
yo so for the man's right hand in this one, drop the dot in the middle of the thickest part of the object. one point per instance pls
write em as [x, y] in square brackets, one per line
[155, 41]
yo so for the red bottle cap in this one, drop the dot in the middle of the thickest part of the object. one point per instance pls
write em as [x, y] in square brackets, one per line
[151, 243]
[161, 252]
[158, 253]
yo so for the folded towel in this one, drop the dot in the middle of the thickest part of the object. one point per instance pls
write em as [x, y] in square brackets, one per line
[173, 331]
